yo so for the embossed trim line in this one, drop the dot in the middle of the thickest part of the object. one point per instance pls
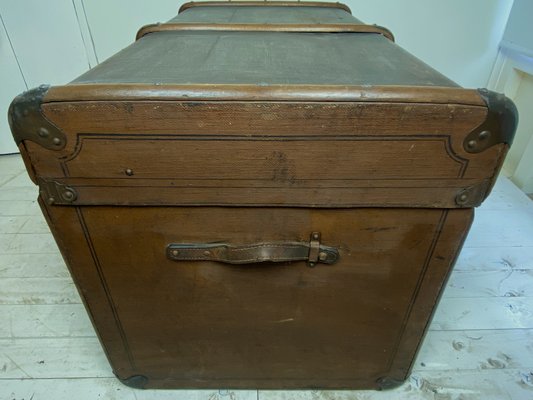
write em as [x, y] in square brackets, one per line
[445, 139]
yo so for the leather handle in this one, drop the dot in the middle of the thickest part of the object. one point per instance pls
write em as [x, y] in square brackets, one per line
[313, 252]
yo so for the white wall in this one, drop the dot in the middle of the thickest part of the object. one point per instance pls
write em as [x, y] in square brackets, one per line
[519, 31]
[111, 33]
[40, 42]
[459, 38]
[54, 41]
[12, 83]
[513, 75]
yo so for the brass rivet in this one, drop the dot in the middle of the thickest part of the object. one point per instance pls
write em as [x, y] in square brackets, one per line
[56, 141]
[471, 144]
[207, 253]
[51, 200]
[68, 195]
[322, 256]
[175, 253]
[43, 132]
[484, 135]
[312, 264]
[315, 236]
[129, 172]
[463, 197]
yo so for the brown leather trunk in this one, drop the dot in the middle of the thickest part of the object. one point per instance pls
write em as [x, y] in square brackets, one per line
[261, 195]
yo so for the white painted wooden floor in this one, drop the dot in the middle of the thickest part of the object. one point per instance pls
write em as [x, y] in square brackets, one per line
[480, 344]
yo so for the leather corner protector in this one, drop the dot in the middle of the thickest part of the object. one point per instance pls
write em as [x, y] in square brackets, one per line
[499, 126]
[27, 121]
[56, 193]
[135, 381]
[472, 196]
[388, 383]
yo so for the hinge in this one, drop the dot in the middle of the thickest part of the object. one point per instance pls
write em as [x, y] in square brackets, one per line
[499, 126]
[27, 121]
[56, 193]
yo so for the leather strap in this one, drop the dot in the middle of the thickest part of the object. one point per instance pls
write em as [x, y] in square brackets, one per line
[313, 252]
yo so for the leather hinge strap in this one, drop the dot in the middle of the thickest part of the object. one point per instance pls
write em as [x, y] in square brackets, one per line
[301, 28]
[311, 251]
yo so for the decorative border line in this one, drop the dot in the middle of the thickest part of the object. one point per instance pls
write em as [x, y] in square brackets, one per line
[445, 139]
[443, 286]
[429, 256]
[105, 286]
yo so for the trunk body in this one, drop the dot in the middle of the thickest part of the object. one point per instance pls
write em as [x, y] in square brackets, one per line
[261, 195]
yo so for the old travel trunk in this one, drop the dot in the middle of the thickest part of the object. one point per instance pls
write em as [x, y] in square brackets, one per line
[261, 195]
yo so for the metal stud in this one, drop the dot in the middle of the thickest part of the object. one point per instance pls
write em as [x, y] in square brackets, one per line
[56, 141]
[43, 132]
[129, 172]
[484, 135]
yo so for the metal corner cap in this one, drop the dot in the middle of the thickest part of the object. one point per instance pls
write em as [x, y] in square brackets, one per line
[135, 381]
[499, 126]
[27, 121]
[504, 110]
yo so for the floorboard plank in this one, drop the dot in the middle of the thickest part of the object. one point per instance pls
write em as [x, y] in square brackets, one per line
[483, 313]
[512, 384]
[58, 320]
[25, 266]
[505, 283]
[31, 243]
[506, 196]
[476, 350]
[496, 228]
[38, 291]
[106, 389]
[53, 358]
[494, 258]
[9, 208]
